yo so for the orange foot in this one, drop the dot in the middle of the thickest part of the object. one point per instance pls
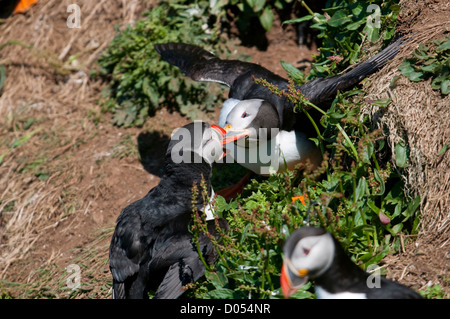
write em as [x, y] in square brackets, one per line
[232, 191]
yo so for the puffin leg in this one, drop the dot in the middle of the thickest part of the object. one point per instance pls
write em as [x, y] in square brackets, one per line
[232, 191]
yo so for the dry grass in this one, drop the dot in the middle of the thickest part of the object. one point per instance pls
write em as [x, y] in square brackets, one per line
[48, 171]
[419, 116]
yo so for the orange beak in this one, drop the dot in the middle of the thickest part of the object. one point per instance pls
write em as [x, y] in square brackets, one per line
[285, 282]
[219, 130]
[291, 281]
[222, 134]
[233, 135]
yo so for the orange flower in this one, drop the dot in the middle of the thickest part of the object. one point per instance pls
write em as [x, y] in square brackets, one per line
[301, 198]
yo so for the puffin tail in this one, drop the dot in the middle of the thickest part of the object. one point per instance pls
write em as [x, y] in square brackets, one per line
[324, 89]
[376, 62]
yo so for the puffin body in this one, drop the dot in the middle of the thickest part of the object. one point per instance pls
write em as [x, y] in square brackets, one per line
[151, 248]
[201, 65]
[257, 143]
[273, 111]
[313, 253]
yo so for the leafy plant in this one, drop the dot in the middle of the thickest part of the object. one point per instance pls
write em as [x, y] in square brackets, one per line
[344, 27]
[140, 82]
[263, 10]
[357, 194]
[354, 195]
[430, 60]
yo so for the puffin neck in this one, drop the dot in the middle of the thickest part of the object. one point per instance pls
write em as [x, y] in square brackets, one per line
[183, 176]
[341, 275]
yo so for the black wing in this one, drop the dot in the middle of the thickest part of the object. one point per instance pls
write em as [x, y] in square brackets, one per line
[201, 65]
[185, 265]
[126, 252]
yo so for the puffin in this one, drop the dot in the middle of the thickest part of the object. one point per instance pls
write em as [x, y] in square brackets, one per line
[152, 249]
[313, 253]
[252, 109]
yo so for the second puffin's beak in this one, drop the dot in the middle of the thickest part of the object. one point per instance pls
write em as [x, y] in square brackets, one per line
[234, 134]
[222, 134]
[291, 282]
[219, 130]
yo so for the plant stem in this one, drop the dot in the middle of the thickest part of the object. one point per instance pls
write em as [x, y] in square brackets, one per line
[303, 3]
[355, 153]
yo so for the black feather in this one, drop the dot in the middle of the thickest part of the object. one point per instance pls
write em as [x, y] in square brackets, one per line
[152, 236]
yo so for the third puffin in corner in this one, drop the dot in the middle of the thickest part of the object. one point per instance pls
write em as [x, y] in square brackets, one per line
[251, 106]
[313, 253]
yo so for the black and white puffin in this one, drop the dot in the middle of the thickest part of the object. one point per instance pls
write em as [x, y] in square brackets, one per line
[151, 248]
[313, 253]
[266, 109]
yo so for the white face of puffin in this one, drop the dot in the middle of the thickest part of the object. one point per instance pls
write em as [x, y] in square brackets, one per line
[240, 119]
[310, 257]
[212, 149]
[197, 140]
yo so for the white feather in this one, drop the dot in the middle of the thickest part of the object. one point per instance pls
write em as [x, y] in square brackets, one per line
[227, 107]
[323, 294]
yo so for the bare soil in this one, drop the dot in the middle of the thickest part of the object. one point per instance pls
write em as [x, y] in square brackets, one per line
[71, 171]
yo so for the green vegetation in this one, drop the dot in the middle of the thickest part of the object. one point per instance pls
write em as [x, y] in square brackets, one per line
[140, 82]
[430, 60]
[345, 27]
[357, 194]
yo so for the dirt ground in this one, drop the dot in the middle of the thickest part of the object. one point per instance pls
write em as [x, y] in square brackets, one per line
[66, 172]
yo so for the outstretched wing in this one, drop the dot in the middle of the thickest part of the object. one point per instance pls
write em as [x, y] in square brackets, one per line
[201, 65]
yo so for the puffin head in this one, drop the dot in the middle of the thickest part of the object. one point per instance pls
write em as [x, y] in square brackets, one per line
[247, 118]
[307, 253]
[196, 142]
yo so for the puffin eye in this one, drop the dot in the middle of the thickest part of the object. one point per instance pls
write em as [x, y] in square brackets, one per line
[244, 115]
[306, 251]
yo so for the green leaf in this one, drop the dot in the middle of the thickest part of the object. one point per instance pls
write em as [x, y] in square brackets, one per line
[401, 156]
[339, 18]
[221, 293]
[2, 76]
[444, 46]
[298, 20]
[380, 181]
[412, 208]
[444, 149]
[409, 71]
[355, 25]
[258, 5]
[23, 139]
[266, 18]
[360, 189]
[293, 72]
[445, 87]
[372, 32]
[431, 68]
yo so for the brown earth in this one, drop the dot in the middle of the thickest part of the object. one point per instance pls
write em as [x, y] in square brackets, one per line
[71, 171]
